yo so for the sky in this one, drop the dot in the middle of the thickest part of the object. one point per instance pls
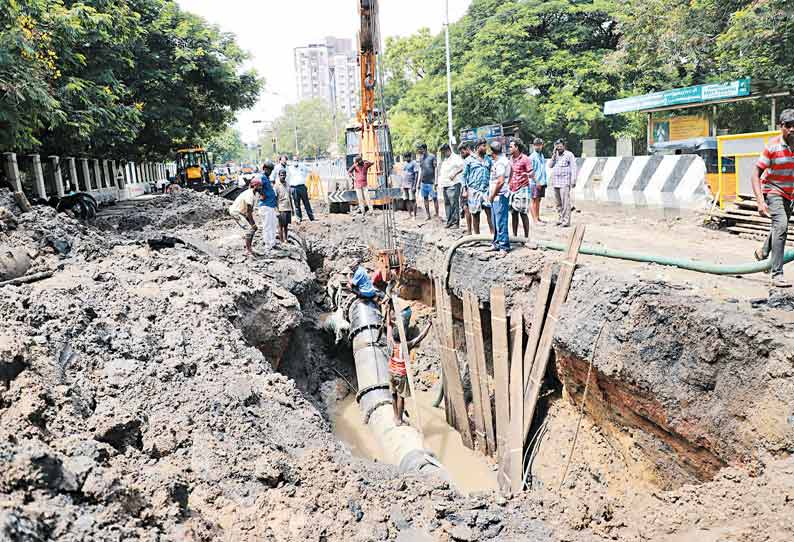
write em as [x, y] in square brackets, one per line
[270, 29]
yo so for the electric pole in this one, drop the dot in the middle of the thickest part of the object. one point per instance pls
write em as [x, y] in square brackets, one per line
[449, 74]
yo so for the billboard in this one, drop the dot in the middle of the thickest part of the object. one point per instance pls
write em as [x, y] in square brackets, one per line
[680, 96]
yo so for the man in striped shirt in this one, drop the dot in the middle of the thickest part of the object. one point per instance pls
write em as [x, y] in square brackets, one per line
[773, 185]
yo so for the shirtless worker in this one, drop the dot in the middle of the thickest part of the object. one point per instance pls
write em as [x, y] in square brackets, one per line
[242, 210]
[398, 374]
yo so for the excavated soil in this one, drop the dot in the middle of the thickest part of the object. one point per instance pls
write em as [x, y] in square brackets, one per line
[161, 386]
[138, 399]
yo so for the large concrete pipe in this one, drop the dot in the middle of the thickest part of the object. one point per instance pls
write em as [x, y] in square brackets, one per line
[401, 445]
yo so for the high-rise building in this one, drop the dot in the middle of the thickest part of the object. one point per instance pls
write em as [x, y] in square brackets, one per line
[329, 71]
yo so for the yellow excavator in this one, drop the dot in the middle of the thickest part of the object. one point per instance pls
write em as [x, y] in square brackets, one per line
[194, 168]
[370, 137]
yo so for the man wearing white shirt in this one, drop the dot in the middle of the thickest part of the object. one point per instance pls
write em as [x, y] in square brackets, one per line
[449, 179]
[296, 178]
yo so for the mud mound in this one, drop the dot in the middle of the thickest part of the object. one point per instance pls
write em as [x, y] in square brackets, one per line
[182, 208]
[8, 202]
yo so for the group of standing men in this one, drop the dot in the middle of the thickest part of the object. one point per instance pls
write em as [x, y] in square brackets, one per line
[502, 185]
[275, 194]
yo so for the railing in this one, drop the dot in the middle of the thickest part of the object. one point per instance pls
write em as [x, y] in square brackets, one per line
[106, 180]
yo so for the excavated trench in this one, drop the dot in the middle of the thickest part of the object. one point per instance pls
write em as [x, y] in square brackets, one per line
[681, 386]
[324, 371]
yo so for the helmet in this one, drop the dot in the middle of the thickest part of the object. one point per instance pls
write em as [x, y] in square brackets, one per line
[255, 183]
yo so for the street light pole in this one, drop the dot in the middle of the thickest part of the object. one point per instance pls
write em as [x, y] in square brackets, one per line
[449, 74]
[296, 138]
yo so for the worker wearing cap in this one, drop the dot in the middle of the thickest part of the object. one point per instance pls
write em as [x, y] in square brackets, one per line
[242, 210]
[773, 185]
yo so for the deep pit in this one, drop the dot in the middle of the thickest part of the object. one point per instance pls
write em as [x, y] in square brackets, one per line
[207, 402]
[329, 381]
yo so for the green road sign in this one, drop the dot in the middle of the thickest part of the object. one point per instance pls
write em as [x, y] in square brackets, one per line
[680, 96]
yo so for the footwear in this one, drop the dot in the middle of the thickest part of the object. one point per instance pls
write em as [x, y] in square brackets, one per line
[759, 256]
[492, 249]
[780, 282]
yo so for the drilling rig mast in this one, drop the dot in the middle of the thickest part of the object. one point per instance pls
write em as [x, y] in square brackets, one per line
[370, 136]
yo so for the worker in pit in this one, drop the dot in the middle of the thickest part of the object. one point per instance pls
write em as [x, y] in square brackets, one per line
[242, 210]
[398, 374]
[361, 284]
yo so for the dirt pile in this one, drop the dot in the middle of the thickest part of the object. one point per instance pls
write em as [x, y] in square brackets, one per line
[711, 381]
[135, 404]
[177, 209]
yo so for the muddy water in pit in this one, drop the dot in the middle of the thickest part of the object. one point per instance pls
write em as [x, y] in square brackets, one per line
[470, 470]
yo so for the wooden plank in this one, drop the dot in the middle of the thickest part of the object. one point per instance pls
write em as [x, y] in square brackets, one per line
[477, 379]
[409, 365]
[538, 317]
[440, 333]
[564, 278]
[500, 366]
[451, 370]
[485, 388]
[460, 409]
[758, 234]
[757, 219]
[503, 475]
[514, 466]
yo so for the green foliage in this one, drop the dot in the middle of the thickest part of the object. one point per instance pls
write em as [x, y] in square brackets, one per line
[226, 146]
[538, 61]
[125, 78]
[553, 64]
[759, 41]
[312, 120]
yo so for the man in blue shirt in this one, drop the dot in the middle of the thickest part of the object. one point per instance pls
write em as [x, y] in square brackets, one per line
[476, 178]
[361, 284]
[268, 202]
[537, 185]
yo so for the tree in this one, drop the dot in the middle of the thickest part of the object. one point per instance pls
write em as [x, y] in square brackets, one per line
[309, 124]
[134, 78]
[405, 62]
[28, 70]
[677, 43]
[538, 61]
[227, 146]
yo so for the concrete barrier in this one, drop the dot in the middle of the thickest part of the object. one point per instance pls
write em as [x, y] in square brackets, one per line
[655, 181]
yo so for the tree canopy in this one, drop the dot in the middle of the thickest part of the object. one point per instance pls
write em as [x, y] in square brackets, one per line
[227, 146]
[553, 64]
[309, 124]
[124, 78]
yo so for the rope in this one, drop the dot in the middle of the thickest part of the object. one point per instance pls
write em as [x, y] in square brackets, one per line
[584, 400]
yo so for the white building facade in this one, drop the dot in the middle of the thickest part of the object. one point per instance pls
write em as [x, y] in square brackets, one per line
[329, 71]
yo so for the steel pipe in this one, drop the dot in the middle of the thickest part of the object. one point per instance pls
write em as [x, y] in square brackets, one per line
[401, 445]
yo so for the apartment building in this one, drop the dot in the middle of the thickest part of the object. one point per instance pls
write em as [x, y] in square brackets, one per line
[329, 71]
